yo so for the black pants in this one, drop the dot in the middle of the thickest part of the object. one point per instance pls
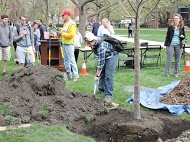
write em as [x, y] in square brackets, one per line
[130, 33]
[76, 54]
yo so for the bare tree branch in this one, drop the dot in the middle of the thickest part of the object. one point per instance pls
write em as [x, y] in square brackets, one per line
[84, 2]
[101, 9]
[123, 7]
[37, 6]
[132, 6]
[152, 9]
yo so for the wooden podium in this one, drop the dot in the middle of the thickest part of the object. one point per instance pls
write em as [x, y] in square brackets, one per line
[56, 57]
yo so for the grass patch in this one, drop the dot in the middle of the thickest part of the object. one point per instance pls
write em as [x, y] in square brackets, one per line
[6, 108]
[38, 133]
[44, 110]
[90, 118]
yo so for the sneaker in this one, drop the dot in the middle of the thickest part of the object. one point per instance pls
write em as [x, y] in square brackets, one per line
[4, 73]
[108, 98]
[69, 76]
[16, 61]
[75, 79]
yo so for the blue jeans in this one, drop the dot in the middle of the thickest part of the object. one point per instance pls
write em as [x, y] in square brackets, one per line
[106, 82]
[69, 60]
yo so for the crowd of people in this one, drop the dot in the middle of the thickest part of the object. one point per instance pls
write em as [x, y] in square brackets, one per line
[24, 36]
[26, 40]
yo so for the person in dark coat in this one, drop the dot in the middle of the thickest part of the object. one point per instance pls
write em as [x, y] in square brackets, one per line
[95, 27]
[173, 44]
[130, 30]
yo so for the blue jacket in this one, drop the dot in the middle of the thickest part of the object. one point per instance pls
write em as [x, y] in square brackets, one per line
[95, 28]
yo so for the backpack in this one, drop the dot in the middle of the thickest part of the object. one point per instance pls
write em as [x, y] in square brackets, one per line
[113, 41]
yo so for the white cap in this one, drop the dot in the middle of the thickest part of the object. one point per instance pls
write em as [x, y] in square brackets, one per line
[89, 36]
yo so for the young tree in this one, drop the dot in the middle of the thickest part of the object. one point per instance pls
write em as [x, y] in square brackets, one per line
[137, 8]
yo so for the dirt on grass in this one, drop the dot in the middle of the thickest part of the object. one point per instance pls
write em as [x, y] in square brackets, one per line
[38, 95]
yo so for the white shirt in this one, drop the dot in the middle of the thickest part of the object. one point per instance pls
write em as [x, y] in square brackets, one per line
[77, 40]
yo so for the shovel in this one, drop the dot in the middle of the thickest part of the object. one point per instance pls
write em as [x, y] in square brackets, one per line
[95, 86]
[27, 52]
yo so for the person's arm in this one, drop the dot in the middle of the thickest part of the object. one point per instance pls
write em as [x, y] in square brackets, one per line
[167, 36]
[71, 33]
[101, 61]
[182, 36]
[16, 36]
[32, 39]
[10, 36]
[38, 36]
[43, 28]
[97, 76]
[110, 28]
[99, 31]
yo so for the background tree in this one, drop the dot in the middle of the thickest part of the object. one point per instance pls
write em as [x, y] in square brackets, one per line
[83, 16]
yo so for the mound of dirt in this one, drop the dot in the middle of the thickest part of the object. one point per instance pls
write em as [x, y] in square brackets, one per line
[38, 94]
[180, 95]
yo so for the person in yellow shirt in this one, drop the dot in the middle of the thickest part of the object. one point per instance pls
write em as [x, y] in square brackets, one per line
[68, 33]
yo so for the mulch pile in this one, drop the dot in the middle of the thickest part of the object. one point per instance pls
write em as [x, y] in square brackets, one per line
[180, 95]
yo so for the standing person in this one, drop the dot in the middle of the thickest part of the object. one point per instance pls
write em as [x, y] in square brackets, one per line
[77, 44]
[130, 30]
[67, 33]
[6, 41]
[36, 34]
[95, 27]
[36, 37]
[107, 58]
[173, 44]
[105, 28]
[42, 28]
[24, 39]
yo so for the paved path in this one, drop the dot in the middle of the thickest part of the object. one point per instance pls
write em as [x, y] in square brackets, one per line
[122, 38]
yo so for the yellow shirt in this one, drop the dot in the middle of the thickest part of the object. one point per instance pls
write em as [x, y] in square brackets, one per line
[68, 32]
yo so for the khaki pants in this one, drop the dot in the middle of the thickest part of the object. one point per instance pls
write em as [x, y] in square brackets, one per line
[5, 53]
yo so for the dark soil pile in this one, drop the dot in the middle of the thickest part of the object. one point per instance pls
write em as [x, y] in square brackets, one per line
[34, 92]
[38, 95]
[180, 95]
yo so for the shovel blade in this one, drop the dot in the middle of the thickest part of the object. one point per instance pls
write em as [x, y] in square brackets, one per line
[95, 87]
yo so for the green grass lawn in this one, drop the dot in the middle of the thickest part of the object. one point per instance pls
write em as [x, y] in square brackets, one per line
[153, 78]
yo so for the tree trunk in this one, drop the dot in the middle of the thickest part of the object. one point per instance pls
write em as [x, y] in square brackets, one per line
[47, 13]
[82, 22]
[137, 65]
